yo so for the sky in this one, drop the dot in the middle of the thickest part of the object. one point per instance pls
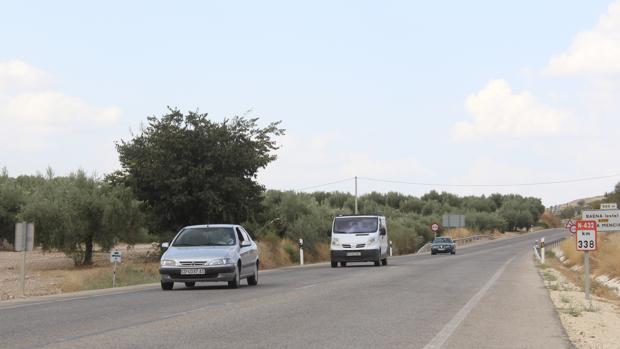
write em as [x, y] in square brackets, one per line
[449, 95]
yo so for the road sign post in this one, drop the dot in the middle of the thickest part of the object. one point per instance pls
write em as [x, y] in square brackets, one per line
[24, 241]
[586, 241]
[115, 257]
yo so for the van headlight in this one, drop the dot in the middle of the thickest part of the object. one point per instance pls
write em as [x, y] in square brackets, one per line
[371, 241]
[168, 263]
[335, 242]
[220, 261]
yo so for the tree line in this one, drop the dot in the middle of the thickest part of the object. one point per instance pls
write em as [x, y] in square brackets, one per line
[184, 168]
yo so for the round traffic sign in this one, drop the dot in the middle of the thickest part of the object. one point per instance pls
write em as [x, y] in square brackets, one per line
[573, 229]
[435, 227]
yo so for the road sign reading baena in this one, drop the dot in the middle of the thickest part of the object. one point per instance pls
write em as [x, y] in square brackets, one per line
[586, 236]
[607, 220]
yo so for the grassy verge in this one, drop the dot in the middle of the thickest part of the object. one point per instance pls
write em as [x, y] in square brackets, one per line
[575, 277]
[127, 274]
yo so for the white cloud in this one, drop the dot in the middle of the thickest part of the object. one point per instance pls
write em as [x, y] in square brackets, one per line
[31, 114]
[498, 112]
[16, 75]
[595, 52]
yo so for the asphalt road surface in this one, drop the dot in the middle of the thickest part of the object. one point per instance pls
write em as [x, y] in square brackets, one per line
[485, 296]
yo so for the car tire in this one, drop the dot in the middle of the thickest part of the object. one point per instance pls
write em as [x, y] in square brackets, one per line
[334, 264]
[253, 280]
[190, 284]
[433, 253]
[384, 261]
[237, 280]
[343, 264]
[167, 286]
[453, 252]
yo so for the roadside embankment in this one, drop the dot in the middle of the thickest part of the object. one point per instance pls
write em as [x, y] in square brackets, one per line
[588, 324]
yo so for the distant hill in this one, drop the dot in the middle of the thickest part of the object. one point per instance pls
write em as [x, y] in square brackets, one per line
[557, 208]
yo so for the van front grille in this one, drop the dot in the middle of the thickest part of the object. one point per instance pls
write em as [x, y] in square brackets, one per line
[346, 246]
[360, 245]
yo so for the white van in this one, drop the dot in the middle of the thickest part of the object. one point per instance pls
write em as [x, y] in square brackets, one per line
[359, 238]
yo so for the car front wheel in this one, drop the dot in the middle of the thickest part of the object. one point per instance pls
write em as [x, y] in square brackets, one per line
[167, 286]
[234, 283]
[253, 280]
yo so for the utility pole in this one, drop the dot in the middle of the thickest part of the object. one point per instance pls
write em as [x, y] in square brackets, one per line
[355, 194]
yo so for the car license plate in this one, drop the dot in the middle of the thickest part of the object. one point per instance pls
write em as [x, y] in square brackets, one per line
[192, 271]
[354, 254]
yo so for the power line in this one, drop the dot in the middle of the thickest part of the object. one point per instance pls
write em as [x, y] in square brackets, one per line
[586, 179]
[326, 184]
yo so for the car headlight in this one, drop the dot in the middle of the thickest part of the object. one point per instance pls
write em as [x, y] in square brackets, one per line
[167, 263]
[335, 242]
[220, 261]
[372, 241]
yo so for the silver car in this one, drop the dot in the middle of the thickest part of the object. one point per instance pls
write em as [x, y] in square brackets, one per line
[220, 252]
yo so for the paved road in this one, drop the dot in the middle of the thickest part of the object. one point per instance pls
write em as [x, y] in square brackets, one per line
[487, 295]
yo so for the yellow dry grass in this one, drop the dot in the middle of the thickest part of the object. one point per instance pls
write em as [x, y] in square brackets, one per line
[605, 261]
[90, 278]
[275, 253]
[551, 220]
[457, 233]
[272, 254]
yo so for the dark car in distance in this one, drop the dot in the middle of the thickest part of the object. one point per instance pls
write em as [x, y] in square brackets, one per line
[443, 244]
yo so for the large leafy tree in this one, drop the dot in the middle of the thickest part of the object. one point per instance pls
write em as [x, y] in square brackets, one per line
[188, 169]
[76, 213]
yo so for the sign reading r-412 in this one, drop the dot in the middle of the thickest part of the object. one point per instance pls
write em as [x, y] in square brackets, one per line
[586, 236]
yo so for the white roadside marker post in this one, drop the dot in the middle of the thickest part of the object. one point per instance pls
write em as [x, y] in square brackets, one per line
[390, 248]
[542, 250]
[301, 251]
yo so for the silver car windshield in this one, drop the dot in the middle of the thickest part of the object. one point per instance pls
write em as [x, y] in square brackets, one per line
[442, 240]
[205, 237]
[352, 225]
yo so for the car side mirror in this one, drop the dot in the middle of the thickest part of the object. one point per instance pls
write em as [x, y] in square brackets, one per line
[382, 231]
[165, 245]
[245, 244]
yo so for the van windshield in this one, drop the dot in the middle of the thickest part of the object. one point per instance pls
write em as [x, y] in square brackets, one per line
[352, 225]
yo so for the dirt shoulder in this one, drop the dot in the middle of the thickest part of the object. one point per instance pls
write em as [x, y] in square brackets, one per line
[589, 324]
[47, 272]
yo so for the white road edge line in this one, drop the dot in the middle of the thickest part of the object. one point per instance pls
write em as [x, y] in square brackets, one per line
[442, 336]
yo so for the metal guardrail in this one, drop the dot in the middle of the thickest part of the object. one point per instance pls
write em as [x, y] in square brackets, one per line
[459, 242]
